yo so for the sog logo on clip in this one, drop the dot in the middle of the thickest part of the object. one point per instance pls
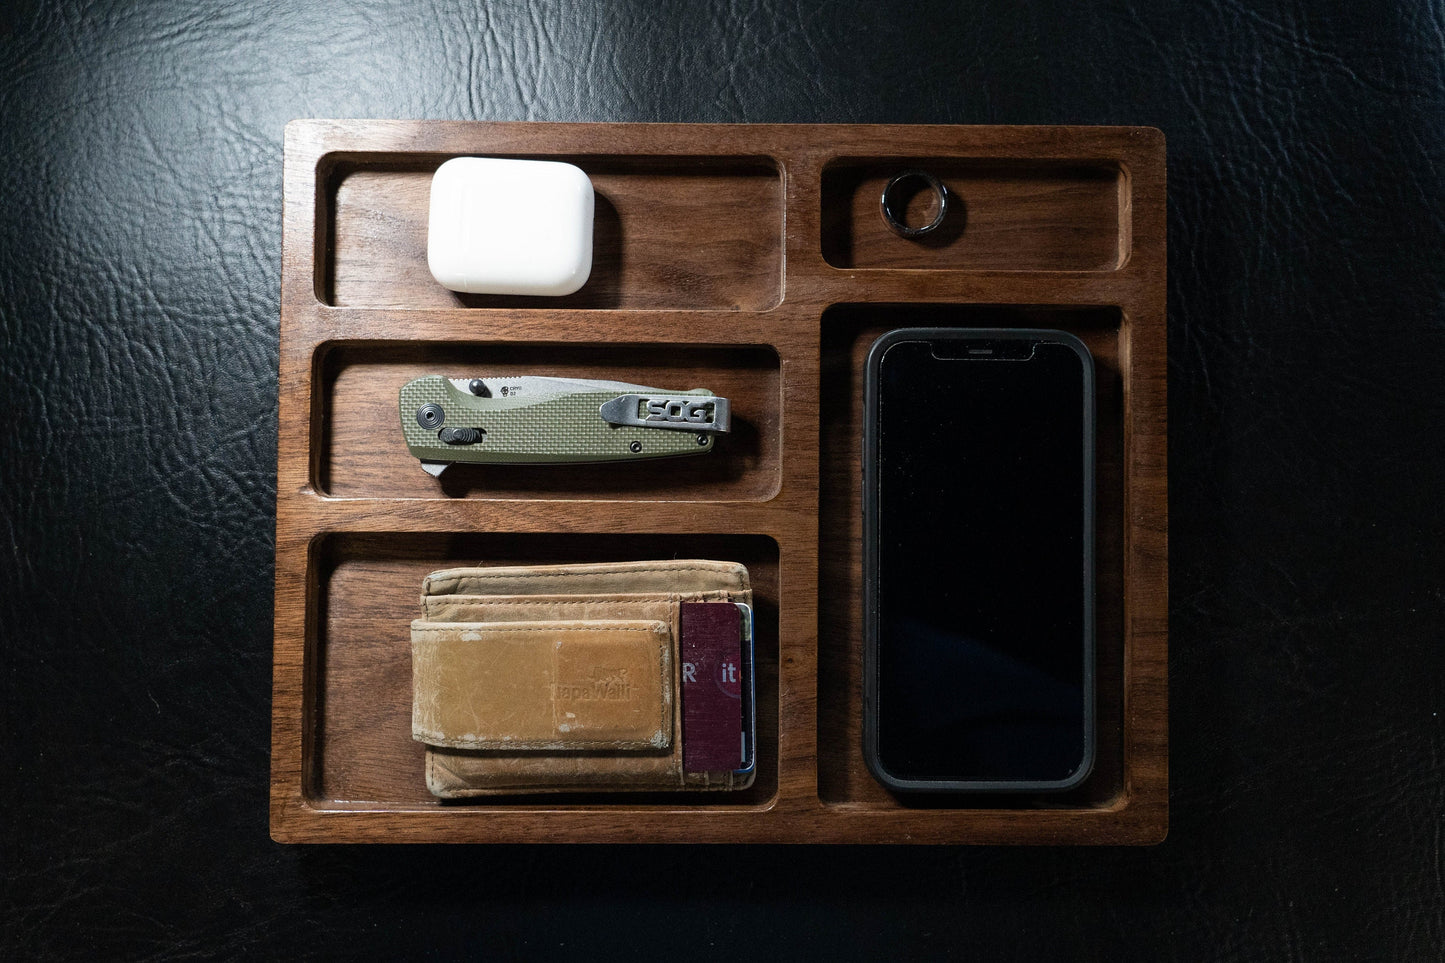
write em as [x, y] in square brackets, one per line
[679, 412]
[606, 685]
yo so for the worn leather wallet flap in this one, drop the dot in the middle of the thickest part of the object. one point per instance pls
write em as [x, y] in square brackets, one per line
[543, 685]
[670, 577]
[577, 608]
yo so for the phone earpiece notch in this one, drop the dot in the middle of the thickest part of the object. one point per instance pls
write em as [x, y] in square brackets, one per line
[1003, 349]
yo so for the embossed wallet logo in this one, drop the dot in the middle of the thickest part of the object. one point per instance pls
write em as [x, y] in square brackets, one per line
[604, 685]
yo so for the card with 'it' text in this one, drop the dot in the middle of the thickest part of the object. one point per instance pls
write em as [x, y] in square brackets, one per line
[716, 687]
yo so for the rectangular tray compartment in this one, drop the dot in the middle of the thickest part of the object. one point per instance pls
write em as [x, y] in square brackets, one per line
[1002, 216]
[669, 232]
[848, 332]
[369, 586]
[362, 453]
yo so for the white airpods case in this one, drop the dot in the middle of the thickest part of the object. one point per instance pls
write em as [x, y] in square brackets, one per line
[501, 226]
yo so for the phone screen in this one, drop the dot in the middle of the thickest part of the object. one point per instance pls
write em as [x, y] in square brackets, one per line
[982, 611]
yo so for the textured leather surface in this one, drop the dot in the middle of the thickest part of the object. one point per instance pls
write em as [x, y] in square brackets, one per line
[536, 685]
[139, 266]
[487, 631]
[686, 576]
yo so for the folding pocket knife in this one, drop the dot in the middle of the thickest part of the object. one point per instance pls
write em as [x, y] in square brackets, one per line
[532, 420]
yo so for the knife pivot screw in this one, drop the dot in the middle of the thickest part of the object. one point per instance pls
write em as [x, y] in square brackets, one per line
[430, 416]
[635, 447]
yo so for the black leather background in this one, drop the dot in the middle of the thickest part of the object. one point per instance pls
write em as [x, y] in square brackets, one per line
[139, 266]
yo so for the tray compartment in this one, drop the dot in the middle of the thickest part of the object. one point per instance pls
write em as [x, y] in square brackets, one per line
[848, 332]
[369, 584]
[669, 232]
[1004, 215]
[362, 453]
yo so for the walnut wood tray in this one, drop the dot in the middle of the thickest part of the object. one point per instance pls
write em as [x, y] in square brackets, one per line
[750, 260]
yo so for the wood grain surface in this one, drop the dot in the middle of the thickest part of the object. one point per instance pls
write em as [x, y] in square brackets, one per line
[360, 385]
[750, 260]
[370, 589]
[708, 234]
[848, 332]
[1000, 217]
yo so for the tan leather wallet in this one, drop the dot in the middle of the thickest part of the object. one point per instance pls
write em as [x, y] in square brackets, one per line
[560, 678]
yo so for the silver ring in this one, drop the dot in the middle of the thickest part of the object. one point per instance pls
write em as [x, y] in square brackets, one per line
[894, 222]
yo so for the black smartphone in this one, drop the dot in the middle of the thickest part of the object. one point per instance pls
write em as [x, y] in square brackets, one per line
[978, 531]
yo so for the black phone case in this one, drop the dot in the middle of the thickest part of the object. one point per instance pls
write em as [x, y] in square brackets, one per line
[870, 559]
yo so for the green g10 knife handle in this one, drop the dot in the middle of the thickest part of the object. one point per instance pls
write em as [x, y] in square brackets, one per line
[531, 421]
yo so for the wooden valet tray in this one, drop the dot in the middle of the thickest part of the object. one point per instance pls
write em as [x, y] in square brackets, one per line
[753, 261]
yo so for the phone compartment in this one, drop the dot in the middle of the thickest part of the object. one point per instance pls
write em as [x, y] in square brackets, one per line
[849, 331]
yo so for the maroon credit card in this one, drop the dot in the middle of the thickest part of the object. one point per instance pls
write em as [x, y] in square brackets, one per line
[712, 687]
